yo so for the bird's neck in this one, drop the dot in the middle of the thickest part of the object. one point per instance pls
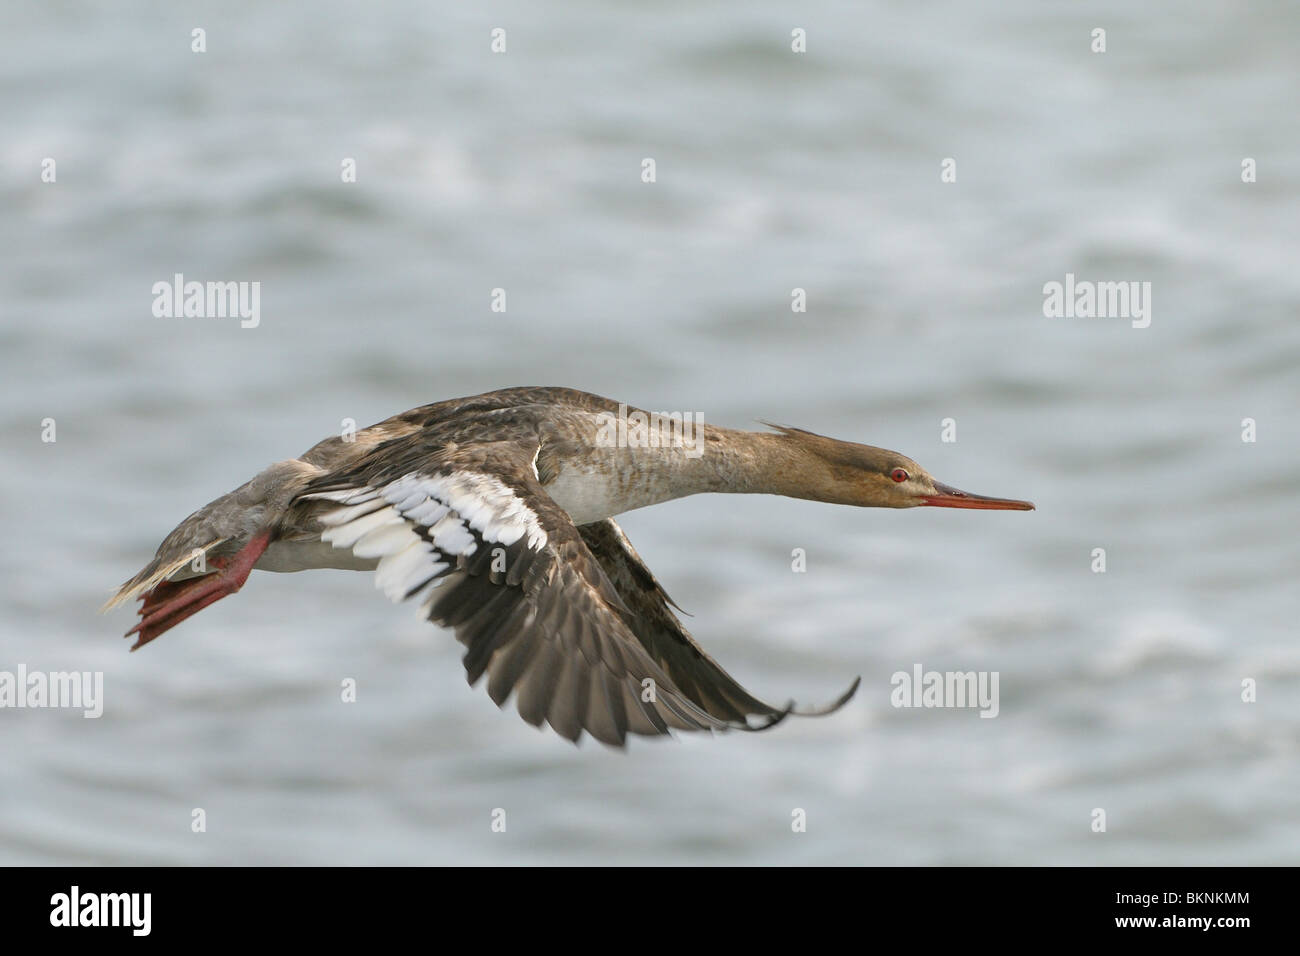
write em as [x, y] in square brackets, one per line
[768, 463]
[606, 476]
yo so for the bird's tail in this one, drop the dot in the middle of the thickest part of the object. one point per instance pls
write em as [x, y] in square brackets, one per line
[168, 563]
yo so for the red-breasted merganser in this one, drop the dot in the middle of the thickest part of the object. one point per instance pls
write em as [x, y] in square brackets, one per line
[497, 512]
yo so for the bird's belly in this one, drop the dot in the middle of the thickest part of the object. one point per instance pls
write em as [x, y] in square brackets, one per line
[308, 554]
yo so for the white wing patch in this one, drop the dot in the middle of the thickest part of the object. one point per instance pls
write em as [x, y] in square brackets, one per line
[459, 510]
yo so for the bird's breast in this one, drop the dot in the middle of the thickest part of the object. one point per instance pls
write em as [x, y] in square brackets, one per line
[590, 496]
[603, 486]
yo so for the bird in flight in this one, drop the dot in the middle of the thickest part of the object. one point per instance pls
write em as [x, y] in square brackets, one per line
[497, 513]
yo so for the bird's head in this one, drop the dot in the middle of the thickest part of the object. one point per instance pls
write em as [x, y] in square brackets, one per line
[866, 476]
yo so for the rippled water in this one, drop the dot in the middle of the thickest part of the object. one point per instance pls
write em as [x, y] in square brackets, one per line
[521, 171]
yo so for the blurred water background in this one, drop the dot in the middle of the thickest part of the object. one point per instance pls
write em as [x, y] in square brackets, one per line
[775, 171]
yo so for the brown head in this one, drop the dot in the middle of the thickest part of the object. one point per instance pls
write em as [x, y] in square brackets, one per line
[846, 473]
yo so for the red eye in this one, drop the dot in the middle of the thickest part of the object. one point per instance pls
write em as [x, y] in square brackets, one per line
[898, 474]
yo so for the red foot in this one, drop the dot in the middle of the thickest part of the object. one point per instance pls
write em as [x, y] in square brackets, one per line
[171, 602]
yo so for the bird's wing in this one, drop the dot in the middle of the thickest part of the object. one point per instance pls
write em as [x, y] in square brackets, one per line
[472, 533]
[647, 615]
